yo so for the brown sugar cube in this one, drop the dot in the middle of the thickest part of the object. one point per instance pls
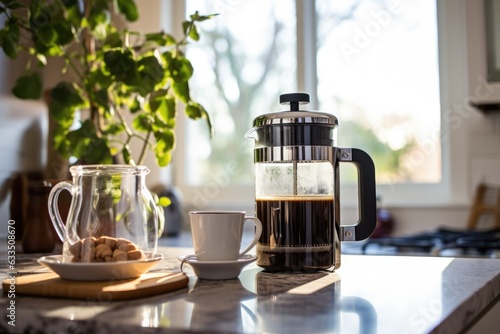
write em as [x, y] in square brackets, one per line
[127, 247]
[134, 255]
[108, 259]
[122, 241]
[119, 255]
[102, 251]
[109, 241]
[76, 249]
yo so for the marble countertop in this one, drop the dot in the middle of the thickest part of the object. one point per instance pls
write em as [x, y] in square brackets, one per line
[368, 294]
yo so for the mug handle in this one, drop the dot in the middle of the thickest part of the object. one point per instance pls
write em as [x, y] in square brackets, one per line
[55, 216]
[258, 232]
[367, 201]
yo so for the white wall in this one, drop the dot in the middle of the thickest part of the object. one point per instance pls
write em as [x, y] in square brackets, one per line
[3, 88]
[23, 132]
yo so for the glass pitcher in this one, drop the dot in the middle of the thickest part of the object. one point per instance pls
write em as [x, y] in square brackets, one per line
[110, 205]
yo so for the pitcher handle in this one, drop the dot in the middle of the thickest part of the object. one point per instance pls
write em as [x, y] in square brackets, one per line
[55, 216]
[367, 201]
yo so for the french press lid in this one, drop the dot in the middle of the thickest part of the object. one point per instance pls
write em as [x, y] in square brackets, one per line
[295, 127]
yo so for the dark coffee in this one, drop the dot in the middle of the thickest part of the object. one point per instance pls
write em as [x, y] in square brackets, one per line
[297, 233]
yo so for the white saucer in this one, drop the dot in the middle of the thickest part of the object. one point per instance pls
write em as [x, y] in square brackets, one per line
[217, 269]
[99, 271]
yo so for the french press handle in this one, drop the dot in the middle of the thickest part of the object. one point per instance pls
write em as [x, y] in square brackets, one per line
[366, 192]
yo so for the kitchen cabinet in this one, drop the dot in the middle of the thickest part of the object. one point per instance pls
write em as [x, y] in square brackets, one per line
[483, 54]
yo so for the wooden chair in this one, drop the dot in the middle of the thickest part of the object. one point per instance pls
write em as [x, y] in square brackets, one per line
[486, 201]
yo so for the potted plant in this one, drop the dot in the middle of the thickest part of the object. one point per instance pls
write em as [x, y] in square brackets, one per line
[123, 85]
[126, 84]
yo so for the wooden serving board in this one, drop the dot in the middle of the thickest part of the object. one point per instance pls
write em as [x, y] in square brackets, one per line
[51, 285]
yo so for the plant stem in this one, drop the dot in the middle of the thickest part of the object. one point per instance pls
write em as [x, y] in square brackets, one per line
[77, 71]
[142, 157]
[128, 130]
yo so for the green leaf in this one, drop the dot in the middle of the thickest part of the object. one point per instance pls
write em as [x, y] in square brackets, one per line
[98, 152]
[179, 68]
[66, 95]
[14, 5]
[163, 159]
[135, 106]
[10, 40]
[99, 14]
[40, 14]
[63, 115]
[122, 65]
[158, 37]
[184, 69]
[170, 40]
[47, 35]
[161, 38]
[63, 32]
[193, 33]
[128, 9]
[99, 77]
[73, 15]
[61, 143]
[127, 156]
[194, 110]
[186, 25]
[150, 73]
[206, 116]
[87, 146]
[142, 122]
[199, 18]
[113, 40]
[71, 3]
[101, 98]
[166, 111]
[181, 90]
[28, 87]
[114, 129]
[164, 145]
[156, 98]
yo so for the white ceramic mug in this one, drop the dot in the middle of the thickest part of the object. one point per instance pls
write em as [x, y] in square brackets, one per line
[217, 234]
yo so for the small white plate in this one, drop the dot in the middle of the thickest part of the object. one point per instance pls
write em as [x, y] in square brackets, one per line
[99, 271]
[217, 269]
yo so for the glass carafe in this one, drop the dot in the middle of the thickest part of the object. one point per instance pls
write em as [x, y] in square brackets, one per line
[110, 205]
[297, 189]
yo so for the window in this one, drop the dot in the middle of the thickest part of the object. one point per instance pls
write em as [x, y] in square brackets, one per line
[376, 70]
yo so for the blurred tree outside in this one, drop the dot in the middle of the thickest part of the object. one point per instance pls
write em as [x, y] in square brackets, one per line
[242, 68]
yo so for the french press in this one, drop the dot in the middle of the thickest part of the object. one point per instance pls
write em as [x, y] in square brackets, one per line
[297, 189]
